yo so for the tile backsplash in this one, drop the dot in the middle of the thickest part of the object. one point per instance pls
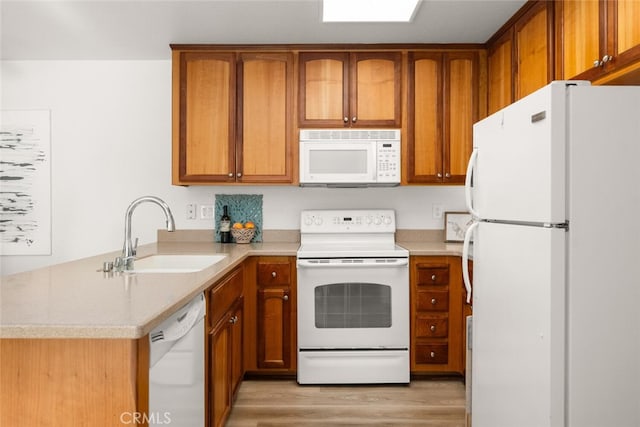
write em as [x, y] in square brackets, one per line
[242, 208]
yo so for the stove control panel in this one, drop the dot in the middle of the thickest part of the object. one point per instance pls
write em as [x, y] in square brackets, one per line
[348, 221]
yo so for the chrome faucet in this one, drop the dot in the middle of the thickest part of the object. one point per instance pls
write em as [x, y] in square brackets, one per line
[129, 249]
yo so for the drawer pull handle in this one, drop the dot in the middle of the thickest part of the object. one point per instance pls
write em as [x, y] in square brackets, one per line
[433, 328]
[432, 354]
[433, 277]
[434, 301]
[233, 320]
[273, 274]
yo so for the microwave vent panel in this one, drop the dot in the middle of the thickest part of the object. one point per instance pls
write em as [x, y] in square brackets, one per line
[349, 134]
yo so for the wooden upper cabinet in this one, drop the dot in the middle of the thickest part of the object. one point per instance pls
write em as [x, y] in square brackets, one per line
[265, 100]
[598, 38]
[232, 117]
[203, 116]
[533, 38]
[579, 33]
[357, 89]
[500, 73]
[443, 105]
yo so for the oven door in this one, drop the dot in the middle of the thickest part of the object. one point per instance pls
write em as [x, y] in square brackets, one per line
[353, 303]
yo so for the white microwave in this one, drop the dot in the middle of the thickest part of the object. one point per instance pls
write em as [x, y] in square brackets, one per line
[349, 157]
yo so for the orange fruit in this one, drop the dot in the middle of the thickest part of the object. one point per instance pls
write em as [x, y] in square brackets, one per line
[237, 225]
[249, 224]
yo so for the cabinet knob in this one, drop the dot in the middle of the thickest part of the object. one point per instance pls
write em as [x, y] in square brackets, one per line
[433, 328]
[233, 320]
[273, 274]
[433, 277]
[434, 301]
[230, 174]
[432, 354]
[345, 119]
[286, 297]
[601, 62]
[354, 119]
[239, 174]
[447, 175]
[439, 175]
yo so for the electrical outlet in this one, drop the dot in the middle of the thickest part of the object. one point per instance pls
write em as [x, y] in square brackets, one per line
[438, 210]
[191, 211]
[206, 211]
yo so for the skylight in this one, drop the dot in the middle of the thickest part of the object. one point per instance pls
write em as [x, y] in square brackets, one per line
[369, 10]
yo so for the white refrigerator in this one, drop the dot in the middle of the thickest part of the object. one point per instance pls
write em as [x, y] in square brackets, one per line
[554, 187]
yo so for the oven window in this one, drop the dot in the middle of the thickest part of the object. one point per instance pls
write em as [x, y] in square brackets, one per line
[353, 305]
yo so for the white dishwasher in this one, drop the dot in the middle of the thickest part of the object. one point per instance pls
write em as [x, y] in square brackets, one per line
[176, 368]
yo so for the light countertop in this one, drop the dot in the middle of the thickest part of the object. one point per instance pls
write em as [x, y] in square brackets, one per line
[77, 300]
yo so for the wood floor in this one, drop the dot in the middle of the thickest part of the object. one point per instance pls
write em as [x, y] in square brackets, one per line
[271, 403]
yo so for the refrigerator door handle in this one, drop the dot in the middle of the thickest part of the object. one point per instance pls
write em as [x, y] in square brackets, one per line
[465, 259]
[467, 183]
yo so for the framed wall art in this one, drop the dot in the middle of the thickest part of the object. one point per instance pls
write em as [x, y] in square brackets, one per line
[25, 182]
[455, 225]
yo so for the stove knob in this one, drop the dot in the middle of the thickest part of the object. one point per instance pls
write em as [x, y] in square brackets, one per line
[368, 220]
[308, 220]
[387, 220]
[318, 220]
[377, 221]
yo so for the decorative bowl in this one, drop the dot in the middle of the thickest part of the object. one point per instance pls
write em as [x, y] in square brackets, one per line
[243, 235]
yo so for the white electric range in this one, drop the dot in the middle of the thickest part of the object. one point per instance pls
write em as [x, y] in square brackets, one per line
[353, 298]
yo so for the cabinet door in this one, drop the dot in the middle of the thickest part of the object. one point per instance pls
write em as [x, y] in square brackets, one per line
[237, 367]
[375, 89]
[500, 73]
[323, 89]
[627, 30]
[274, 327]
[623, 33]
[204, 136]
[443, 105]
[533, 49]
[219, 377]
[338, 89]
[580, 36]
[598, 41]
[460, 113]
[265, 93]
[424, 148]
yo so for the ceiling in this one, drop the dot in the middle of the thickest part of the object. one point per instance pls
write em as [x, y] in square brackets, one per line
[143, 29]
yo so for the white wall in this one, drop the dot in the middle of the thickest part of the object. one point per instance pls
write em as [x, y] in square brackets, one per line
[111, 143]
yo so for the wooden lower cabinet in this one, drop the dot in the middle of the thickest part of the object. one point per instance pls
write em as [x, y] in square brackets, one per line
[437, 342]
[225, 368]
[270, 327]
[61, 382]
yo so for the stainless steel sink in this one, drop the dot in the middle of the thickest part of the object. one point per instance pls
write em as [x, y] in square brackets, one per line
[174, 263]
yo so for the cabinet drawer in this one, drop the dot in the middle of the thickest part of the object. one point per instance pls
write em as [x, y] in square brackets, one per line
[432, 353]
[223, 295]
[431, 327]
[433, 275]
[274, 273]
[433, 300]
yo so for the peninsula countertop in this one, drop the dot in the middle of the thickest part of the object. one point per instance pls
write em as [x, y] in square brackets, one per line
[77, 299]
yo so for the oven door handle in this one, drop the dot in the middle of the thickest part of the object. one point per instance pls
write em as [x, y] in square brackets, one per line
[389, 263]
